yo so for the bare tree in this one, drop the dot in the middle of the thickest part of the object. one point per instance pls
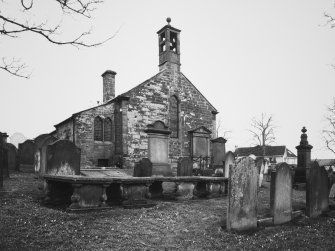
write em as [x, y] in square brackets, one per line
[263, 130]
[220, 130]
[329, 133]
[16, 26]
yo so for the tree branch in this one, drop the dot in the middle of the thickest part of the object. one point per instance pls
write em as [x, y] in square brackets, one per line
[263, 132]
[15, 67]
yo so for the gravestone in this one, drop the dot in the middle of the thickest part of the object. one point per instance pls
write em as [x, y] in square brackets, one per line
[242, 195]
[185, 166]
[324, 193]
[281, 193]
[43, 153]
[5, 169]
[200, 138]
[12, 156]
[218, 152]
[63, 158]
[26, 152]
[37, 151]
[316, 193]
[143, 168]
[229, 160]
[260, 166]
[158, 138]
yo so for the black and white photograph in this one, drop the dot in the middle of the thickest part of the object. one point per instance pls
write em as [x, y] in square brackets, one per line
[167, 125]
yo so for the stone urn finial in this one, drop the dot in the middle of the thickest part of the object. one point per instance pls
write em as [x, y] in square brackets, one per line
[303, 130]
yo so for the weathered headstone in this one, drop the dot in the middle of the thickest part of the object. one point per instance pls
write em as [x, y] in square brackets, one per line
[5, 163]
[281, 193]
[63, 158]
[229, 160]
[185, 166]
[260, 167]
[316, 194]
[26, 152]
[12, 156]
[37, 151]
[324, 190]
[143, 168]
[242, 195]
[218, 152]
[158, 135]
[43, 153]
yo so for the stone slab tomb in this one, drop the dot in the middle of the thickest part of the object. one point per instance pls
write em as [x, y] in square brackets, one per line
[242, 195]
[63, 158]
[185, 166]
[317, 190]
[281, 193]
[143, 168]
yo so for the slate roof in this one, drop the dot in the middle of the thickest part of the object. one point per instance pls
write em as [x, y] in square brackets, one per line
[258, 151]
[325, 162]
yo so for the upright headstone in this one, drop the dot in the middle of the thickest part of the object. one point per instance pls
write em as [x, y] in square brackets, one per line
[304, 158]
[12, 156]
[63, 158]
[26, 152]
[218, 152]
[316, 199]
[260, 166]
[242, 195]
[143, 168]
[158, 137]
[4, 153]
[281, 193]
[229, 160]
[1, 163]
[324, 193]
[185, 166]
[37, 151]
[5, 163]
[43, 153]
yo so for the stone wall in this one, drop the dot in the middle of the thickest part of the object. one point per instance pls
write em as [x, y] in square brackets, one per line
[65, 130]
[91, 150]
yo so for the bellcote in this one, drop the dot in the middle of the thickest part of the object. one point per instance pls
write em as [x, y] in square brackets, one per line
[169, 47]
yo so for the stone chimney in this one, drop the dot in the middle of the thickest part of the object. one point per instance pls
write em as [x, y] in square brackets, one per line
[108, 78]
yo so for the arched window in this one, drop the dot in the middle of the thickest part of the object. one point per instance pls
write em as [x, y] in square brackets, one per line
[98, 129]
[107, 129]
[174, 116]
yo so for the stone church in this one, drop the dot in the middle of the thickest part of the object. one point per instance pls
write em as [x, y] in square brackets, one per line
[115, 131]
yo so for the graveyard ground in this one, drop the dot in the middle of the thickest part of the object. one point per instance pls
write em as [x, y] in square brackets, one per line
[185, 225]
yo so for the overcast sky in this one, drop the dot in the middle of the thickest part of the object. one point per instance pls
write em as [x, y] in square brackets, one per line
[246, 57]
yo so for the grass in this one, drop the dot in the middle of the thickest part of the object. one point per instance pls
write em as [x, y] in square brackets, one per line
[171, 225]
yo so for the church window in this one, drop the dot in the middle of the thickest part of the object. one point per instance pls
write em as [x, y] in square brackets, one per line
[107, 129]
[98, 129]
[174, 117]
